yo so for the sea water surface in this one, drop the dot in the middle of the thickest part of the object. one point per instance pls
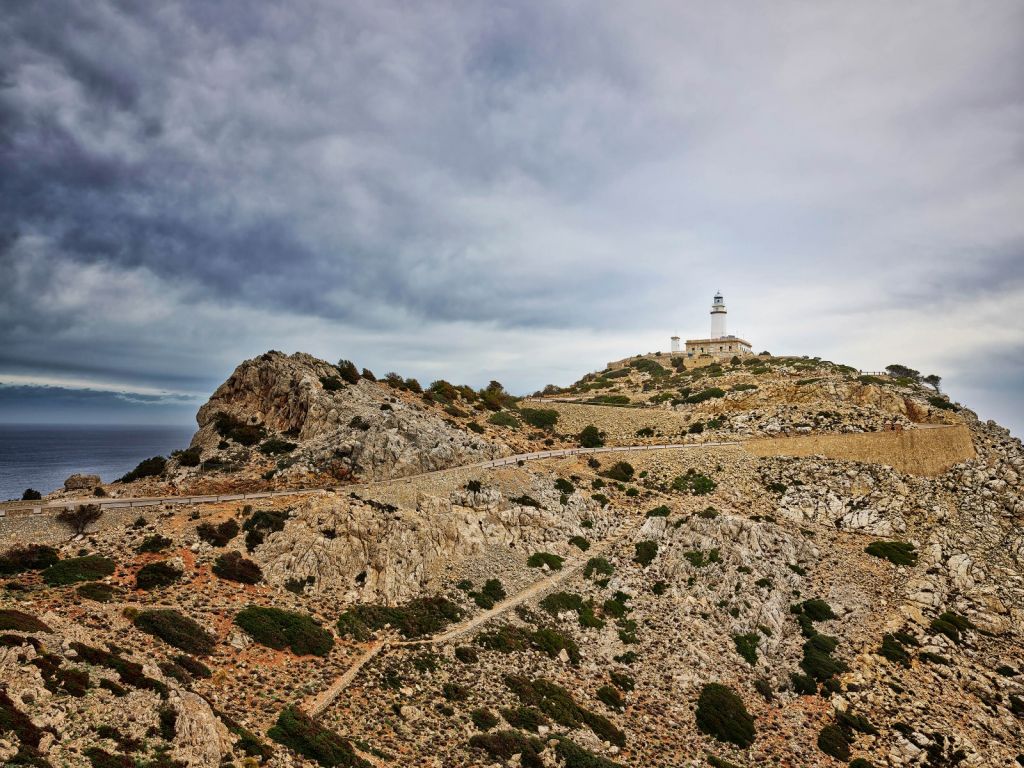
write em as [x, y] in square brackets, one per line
[40, 456]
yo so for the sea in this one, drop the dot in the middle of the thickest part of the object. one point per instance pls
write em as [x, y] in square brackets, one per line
[41, 456]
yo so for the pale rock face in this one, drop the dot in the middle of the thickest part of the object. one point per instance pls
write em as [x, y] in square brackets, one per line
[200, 737]
[391, 555]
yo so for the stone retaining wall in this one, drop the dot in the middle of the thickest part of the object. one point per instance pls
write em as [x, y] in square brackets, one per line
[925, 451]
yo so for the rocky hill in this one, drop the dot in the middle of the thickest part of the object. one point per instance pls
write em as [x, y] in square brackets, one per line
[827, 569]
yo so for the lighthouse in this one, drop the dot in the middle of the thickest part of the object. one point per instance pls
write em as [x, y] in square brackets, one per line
[719, 344]
[718, 317]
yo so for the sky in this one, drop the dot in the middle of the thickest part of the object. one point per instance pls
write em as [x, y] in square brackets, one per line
[520, 191]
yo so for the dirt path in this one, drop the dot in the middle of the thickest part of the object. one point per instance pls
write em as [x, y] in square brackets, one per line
[319, 703]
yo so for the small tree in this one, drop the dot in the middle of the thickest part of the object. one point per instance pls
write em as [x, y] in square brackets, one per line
[348, 371]
[933, 381]
[31, 494]
[590, 437]
[80, 518]
[902, 371]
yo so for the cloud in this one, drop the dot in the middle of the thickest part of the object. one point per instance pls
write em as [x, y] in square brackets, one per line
[520, 191]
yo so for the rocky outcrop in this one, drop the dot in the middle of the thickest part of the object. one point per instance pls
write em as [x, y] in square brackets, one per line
[338, 429]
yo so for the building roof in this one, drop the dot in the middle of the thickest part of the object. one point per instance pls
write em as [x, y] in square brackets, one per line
[720, 340]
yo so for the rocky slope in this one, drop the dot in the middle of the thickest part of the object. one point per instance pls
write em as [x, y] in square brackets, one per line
[684, 607]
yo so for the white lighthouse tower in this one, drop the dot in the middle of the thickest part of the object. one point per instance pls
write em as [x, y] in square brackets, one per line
[718, 317]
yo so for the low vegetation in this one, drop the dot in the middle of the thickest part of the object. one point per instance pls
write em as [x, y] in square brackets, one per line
[300, 733]
[721, 713]
[419, 617]
[33, 557]
[76, 569]
[280, 629]
[896, 552]
[156, 575]
[217, 535]
[233, 567]
[152, 467]
[176, 630]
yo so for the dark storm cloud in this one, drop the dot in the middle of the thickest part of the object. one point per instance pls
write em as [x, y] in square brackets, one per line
[519, 190]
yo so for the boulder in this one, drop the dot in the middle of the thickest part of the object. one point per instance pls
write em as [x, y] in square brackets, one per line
[79, 482]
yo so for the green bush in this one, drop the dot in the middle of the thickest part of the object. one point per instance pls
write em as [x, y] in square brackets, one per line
[590, 437]
[818, 610]
[818, 661]
[348, 371]
[217, 535]
[541, 418]
[525, 718]
[599, 566]
[231, 428]
[694, 483]
[580, 543]
[130, 672]
[31, 494]
[611, 698]
[622, 680]
[176, 630]
[275, 446]
[501, 745]
[896, 552]
[540, 559]
[721, 713]
[280, 629]
[154, 543]
[552, 642]
[33, 557]
[233, 567]
[504, 419]
[708, 394]
[189, 457]
[152, 467]
[525, 501]
[646, 551]
[892, 649]
[332, 383]
[19, 621]
[951, 625]
[155, 575]
[261, 523]
[746, 646]
[419, 617]
[491, 593]
[621, 470]
[300, 733]
[833, 742]
[483, 718]
[564, 486]
[576, 756]
[941, 403]
[474, 427]
[75, 569]
[662, 511]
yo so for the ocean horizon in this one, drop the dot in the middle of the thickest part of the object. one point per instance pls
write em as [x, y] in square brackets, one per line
[41, 456]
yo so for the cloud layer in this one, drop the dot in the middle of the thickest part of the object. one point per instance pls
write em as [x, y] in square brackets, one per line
[519, 191]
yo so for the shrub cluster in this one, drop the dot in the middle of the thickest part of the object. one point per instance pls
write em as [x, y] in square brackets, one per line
[721, 713]
[558, 704]
[75, 569]
[300, 733]
[693, 482]
[19, 621]
[79, 518]
[176, 630]
[896, 552]
[646, 551]
[540, 559]
[154, 543]
[217, 535]
[33, 557]
[232, 428]
[541, 418]
[419, 617]
[280, 629]
[153, 467]
[276, 446]
[155, 575]
[590, 437]
[261, 523]
[233, 567]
